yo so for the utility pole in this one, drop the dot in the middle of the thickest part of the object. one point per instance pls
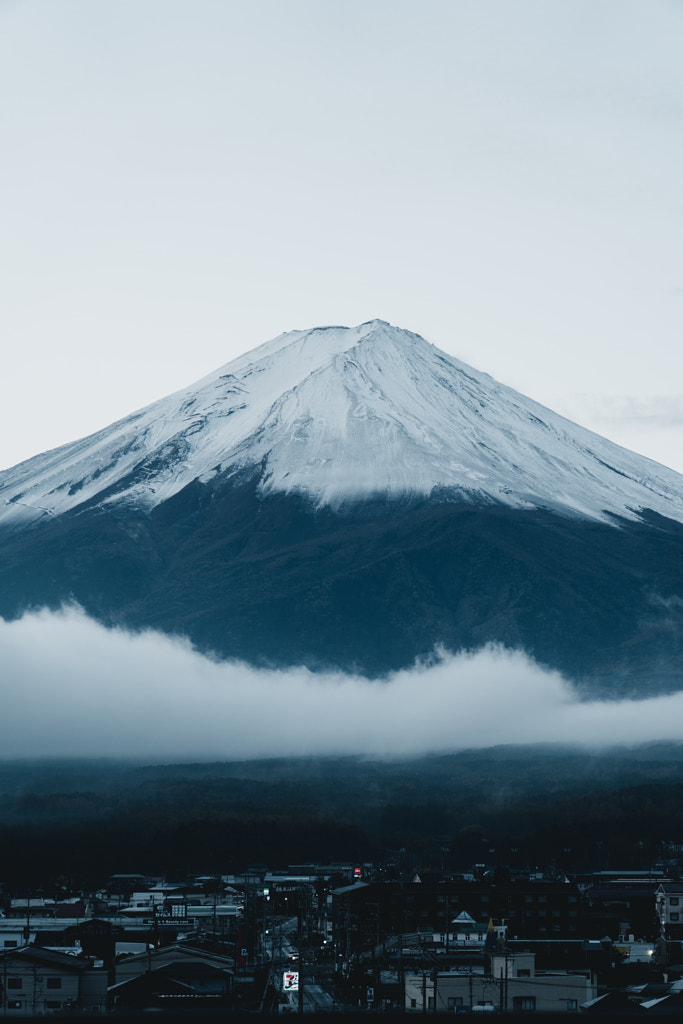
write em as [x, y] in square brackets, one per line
[506, 981]
[301, 982]
[35, 986]
[504, 987]
[402, 975]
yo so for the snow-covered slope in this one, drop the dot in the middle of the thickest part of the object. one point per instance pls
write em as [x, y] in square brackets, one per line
[342, 414]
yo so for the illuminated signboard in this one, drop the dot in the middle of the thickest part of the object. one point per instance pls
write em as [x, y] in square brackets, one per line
[290, 981]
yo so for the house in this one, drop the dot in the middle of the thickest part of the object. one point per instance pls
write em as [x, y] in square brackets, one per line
[34, 981]
[669, 908]
[466, 933]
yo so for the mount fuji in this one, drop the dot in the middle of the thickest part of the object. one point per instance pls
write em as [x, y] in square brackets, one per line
[355, 498]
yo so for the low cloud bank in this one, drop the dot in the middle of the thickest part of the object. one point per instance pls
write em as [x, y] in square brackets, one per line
[70, 687]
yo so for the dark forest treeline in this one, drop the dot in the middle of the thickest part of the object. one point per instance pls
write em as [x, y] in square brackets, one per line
[84, 855]
[78, 824]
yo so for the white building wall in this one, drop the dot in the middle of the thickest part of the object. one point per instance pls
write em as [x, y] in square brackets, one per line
[30, 991]
[544, 992]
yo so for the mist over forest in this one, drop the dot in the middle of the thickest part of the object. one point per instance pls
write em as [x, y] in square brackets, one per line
[75, 822]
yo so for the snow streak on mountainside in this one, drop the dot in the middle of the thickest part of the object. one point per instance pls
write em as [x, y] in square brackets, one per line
[344, 414]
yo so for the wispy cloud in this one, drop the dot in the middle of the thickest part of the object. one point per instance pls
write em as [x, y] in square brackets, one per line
[72, 687]
[655, 411]
[649, 425]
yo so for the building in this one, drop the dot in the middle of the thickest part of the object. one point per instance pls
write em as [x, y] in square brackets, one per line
[363, 915]
[513, 986]
[189, 956]
[184, 983]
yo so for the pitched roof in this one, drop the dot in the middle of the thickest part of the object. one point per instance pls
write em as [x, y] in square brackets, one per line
[181, 952]
[675, 888]
[39, 954]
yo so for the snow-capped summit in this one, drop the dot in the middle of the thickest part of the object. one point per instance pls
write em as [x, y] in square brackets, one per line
[340, 415]
[356, 498]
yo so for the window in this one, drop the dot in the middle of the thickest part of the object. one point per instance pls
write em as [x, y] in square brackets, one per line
[14, 983]
[523, 972]
[53, 1004]
[14, 1004]
[454, 1002]
[673, 901]
[54, 982]
[572, 1004]
[527, 1003]
[10, 943]
[673, 916]
[413, 1004]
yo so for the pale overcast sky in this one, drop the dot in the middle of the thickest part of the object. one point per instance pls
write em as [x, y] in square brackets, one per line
[184, 179]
